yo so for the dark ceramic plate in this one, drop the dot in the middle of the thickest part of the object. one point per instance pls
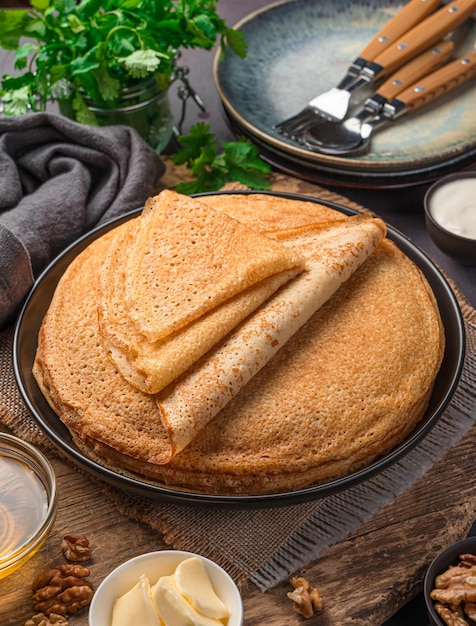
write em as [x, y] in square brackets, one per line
[301, 48]
[25, 343]
[322, 173]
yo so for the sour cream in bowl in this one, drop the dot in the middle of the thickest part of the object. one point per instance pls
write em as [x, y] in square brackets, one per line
[450, 214]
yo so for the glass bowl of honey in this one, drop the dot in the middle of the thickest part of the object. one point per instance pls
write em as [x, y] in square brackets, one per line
[28, 502]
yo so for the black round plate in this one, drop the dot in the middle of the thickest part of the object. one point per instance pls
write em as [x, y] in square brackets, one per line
[25, 344]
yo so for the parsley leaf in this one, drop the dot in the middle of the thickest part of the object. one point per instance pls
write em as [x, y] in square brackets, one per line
[238, 161]
[16, 102]
[142, 62]
[236, 40]
[12, 28]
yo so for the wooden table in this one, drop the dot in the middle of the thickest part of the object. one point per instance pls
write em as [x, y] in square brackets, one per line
[364, 580]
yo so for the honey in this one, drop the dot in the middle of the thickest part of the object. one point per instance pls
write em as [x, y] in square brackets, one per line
[23, 505]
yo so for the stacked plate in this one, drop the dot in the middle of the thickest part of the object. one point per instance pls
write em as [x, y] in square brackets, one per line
[300, 48]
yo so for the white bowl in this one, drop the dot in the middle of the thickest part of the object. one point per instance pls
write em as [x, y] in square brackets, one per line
[154, 565]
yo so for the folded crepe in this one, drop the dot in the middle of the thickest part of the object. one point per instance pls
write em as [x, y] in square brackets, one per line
[185, 259]
[246, 280]
[333, 252]
[96, 401]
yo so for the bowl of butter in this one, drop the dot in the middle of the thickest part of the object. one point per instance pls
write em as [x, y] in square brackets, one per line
[167, 587]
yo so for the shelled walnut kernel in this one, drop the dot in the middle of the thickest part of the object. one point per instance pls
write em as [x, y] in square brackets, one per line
[62, 590]
[306, 599]
[76, 548]
[454, 594]
[40, 619]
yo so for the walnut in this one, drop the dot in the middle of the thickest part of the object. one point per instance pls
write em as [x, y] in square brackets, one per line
[453, 575]
[460, 591]
[450, 615]
[76, 548]
[454, 594]
[40, 619]
[467, 560]
[62, 590]
[306, 599]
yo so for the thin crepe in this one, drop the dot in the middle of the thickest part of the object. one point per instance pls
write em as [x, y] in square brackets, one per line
[333, 252]
[151, 366]
[187, 259]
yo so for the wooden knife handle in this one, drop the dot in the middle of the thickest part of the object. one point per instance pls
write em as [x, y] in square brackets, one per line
[439, 83]
[422, 36]
[419, 67]
[408, 17]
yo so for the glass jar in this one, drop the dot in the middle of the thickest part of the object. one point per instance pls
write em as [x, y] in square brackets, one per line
[145, 107]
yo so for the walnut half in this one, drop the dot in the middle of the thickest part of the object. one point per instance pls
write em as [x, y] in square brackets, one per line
[40, 619]
[76, 548]
[306, 599]
[62, 590]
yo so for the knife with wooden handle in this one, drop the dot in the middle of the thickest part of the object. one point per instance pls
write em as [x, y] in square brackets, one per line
[433, 86]
[415, 69]
[407, 18]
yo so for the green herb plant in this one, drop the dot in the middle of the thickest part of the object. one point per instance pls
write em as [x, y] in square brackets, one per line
[238, 161]
[78, 50]
[69, 50]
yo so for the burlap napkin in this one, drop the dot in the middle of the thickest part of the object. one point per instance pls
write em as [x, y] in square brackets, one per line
[266, 546]
[58, 180]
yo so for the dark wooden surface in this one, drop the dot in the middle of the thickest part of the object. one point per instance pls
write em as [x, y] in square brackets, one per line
[363, 580]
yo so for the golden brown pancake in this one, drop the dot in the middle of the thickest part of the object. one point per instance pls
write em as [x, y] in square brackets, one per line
[344, 389]
[187, 258]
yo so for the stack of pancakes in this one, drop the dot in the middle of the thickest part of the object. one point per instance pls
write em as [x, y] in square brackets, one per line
[240, 344]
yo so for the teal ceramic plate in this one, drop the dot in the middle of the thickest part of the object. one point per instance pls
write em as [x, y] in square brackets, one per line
[300, 48]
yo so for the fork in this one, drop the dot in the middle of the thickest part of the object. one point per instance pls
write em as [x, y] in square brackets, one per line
[356, 138]
[333, 104]
[330, 133]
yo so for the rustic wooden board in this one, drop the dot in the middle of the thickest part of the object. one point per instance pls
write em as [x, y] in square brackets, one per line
[363, 580]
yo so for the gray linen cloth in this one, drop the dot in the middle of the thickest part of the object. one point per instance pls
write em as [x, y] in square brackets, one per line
[58, 180]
